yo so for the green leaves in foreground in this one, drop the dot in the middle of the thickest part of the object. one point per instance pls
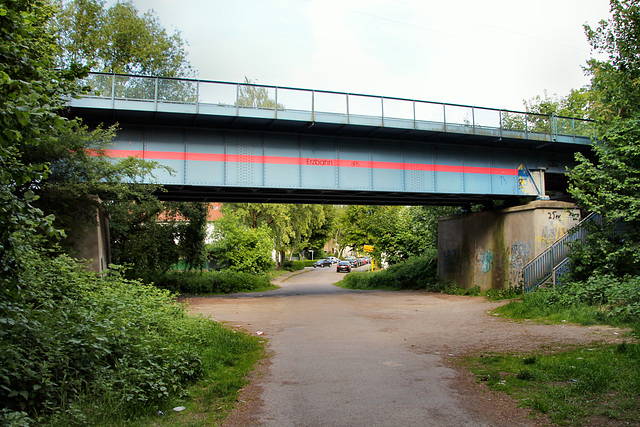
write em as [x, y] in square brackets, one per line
[76, 347]
[575, 387]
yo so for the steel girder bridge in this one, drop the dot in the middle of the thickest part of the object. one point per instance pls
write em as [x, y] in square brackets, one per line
[232, 142]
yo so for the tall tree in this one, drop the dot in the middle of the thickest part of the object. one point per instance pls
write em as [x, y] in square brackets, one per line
[293, 228]
[31, 91]
[276, 217]
[305, 220]
[242, 248]
[119, 39]
[550, 113]
[193, 234]
[397, 233]
[609, 184]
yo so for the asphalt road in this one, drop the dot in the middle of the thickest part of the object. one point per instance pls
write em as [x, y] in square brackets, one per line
[365, 358]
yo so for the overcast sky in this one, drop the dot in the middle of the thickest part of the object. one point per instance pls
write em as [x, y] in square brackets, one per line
[492, 53]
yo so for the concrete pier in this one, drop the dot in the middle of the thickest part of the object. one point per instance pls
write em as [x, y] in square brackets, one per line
[489, 249]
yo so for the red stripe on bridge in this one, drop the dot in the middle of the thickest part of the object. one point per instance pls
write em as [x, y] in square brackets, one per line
[305, 161]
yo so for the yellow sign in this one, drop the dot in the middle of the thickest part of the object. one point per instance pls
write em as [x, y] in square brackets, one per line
[368, 248]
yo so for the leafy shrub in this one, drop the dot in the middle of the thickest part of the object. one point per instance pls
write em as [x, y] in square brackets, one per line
[599, 299]
[453, 289]
[218, 282]
[503, 293]
[620, 297]
[242, 248]
[70, 336]
[415, 273]
[297, 265]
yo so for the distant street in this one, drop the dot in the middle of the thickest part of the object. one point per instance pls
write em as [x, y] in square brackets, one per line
[365, 358]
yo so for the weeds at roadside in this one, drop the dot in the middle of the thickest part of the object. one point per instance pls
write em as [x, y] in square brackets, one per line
[570, 387]
[227, 361]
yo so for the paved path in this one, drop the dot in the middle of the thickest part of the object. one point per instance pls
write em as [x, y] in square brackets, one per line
[363, 358]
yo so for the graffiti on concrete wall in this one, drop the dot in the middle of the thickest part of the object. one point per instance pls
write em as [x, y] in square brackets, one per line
[483, 260]
[520, 253]
[558, 223]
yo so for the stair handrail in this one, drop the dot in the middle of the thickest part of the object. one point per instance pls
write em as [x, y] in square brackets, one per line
[557, 256]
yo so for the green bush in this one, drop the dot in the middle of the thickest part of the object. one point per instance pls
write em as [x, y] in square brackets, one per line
[619, 297]
[212, 282]
[71, 338]
[297, 265]
[80, 348]
[415, 273]
[503, 293]
[242, 249]
[601, 299]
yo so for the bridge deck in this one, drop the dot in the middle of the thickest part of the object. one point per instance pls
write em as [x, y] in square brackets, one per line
[327, 147]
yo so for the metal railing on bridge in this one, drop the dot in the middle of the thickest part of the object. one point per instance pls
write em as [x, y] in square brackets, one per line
[275, 102]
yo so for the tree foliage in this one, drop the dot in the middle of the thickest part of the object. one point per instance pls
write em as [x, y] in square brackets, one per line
[193, 233]
[609, 182]
[397, 233]
[614, 80]
[30, 92]
[254, 96]
[551, 113]
[119, 39]
[293, 228]
[68, 337]
[242, 248]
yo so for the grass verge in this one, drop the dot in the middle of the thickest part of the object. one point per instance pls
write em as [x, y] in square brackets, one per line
[542, 306]
[229, 357]
[597, 385]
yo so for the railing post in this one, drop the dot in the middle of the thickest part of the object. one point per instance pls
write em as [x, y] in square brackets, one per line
[155, 95]
[275, 107]
[313, 106]
[382, 109]
[473, 119]
[444, 116]
[348, 117]
[238, 99]
[113, 90]
[414, 114]
[197, 96]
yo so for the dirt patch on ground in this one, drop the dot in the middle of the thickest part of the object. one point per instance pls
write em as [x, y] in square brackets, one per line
[332, 352]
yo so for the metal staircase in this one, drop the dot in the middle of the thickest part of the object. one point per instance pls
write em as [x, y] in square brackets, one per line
[553, 262]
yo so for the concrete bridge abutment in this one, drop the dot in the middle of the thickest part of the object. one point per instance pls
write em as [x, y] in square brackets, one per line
[488, 249]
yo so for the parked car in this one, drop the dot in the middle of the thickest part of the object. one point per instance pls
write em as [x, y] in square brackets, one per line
[353, 263]
[333, 259]
[343, 266]
[322, 263]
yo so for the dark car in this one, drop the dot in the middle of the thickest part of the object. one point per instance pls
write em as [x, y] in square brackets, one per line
[322, 263]
[353, 263]
[343, 266]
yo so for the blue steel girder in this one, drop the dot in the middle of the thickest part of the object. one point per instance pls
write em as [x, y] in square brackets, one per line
[224, 152]
[233, 165]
